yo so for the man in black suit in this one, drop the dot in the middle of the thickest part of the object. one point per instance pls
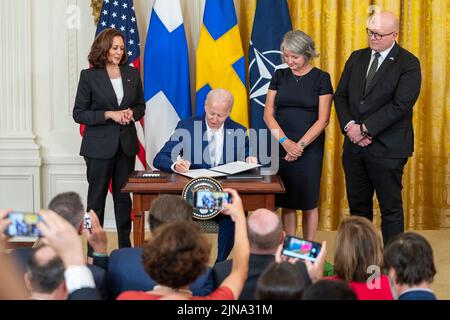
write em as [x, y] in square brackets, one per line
[374, 102]
[265, 234]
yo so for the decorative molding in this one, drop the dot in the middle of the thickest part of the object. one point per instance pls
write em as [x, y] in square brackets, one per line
[15, 78]
[22, 189]
[72, 59]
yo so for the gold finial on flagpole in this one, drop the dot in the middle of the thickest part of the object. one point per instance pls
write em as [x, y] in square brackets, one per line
[96, 7]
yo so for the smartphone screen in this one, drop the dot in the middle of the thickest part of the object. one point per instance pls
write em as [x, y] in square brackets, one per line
[24, 224]
[205, 199]
[301, 248]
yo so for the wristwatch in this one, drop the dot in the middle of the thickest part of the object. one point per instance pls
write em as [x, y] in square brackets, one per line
[364, 133]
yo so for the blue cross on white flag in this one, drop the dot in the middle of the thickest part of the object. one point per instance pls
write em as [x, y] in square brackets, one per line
[166, 75]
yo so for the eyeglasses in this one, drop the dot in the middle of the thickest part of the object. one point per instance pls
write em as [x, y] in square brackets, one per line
[377, 36]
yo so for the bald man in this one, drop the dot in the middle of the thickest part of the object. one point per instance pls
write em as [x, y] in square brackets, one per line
[374, 102]
[265, 234]
[204, 142]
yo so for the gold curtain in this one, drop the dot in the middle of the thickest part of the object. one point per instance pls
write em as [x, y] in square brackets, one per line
[338, 28]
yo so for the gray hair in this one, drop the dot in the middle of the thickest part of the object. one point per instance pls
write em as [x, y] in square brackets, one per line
[221, 95]
[299, 43]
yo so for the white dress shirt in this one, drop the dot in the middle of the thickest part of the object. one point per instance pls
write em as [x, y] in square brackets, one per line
[383, 55]
[118, 89]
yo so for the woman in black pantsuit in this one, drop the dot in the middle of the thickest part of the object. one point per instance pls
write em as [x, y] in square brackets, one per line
[109, 100]
[298, 108]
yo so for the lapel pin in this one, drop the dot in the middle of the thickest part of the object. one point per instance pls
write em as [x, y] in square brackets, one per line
[391, 58]
[128, 80]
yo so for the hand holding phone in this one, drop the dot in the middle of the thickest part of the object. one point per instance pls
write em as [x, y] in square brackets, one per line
[211, 200]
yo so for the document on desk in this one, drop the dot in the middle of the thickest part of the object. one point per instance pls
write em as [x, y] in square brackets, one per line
[195, 173]
[235, 167]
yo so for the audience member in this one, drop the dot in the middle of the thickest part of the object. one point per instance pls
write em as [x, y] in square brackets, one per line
[178, 253]
[265, 234]
[280, 281]
[45, 275]
[69, 206]
[408, 257]
[60, 235]
[358, 258]
[329, 290]
[124, 267]
[11, 285]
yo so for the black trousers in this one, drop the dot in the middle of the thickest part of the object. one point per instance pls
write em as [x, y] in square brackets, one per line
[99, 174]
[365, 174]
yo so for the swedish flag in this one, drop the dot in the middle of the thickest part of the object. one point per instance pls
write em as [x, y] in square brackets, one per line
[220, 58]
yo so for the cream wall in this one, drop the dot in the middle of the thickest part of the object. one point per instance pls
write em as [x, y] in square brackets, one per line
[46, 43]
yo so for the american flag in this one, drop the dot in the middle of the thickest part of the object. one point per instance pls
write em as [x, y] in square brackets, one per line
[120, 16]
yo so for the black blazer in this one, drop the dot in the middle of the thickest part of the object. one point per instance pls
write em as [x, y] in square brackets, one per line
[256, 266]
[96, 95]
[386, 108]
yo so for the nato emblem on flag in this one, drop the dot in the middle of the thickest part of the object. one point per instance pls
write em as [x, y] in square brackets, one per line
[272, 21]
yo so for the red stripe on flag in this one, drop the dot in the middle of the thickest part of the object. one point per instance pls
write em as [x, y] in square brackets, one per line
[82, 127]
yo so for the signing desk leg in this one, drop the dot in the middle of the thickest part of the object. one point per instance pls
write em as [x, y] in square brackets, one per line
[138, 221]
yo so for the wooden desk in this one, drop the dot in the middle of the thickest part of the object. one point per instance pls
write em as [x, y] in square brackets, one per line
[255, 194]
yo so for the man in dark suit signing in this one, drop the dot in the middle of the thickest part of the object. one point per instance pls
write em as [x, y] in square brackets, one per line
[207, 141]
[374, 102]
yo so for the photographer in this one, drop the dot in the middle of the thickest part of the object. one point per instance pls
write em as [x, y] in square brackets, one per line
[11, 284]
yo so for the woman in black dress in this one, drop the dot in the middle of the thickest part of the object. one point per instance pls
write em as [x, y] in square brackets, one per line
[298, 108]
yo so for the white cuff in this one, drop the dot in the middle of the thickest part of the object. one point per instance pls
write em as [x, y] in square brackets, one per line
[78, 277]
[349, 123]
[173, 166]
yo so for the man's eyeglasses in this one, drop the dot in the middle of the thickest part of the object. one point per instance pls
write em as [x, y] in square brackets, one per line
[377, 36]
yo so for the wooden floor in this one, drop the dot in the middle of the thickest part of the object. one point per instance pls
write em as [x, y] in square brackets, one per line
[439, 239]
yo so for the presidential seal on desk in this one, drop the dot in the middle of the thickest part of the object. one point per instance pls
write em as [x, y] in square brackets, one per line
[206, 197]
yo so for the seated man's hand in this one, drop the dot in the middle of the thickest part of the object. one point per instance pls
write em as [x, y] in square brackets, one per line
[96, 236]
[182, 166]
[251, 160]
[235, 209]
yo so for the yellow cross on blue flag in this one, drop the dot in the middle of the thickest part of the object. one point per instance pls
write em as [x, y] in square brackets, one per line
[220, 58]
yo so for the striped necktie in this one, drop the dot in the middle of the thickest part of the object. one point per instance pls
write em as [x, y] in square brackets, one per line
[212, 148]
[372, 71]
